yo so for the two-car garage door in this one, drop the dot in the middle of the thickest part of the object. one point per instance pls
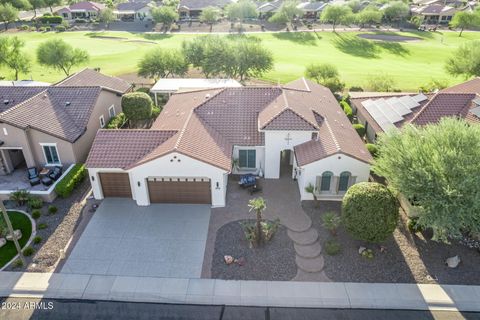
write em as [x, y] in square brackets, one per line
[169, 190]
[160, 190]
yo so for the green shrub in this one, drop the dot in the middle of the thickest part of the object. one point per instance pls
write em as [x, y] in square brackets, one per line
[47, 29]
[370, 212]
[347, 109]
[143, 89]
[20, 196]
[156, 112]
[52, 209]
[35, 202]
[47, 14]
[18, 263]
[117, 122]
[331, 221]
[137, 106]
[24, 27]
[36, 214]
[356, 89]
[42, 226]
[60, 28]
[372, 148]
[51, 19]
[360, 128]
[37, 239]
[42, 29]
[80, 21]
[75, 176]
[28, 251]
[332, 247]
[413, 225]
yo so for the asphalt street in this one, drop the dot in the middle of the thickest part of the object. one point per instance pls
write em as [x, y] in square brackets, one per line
[25, 308]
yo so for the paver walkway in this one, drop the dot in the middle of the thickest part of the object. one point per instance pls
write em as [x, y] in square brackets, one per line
[283, 202]
[242, 293]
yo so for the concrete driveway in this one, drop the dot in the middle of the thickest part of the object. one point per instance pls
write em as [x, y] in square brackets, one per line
[161, 240]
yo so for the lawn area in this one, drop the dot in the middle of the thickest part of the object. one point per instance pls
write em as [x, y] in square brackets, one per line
[410, 64]
[19, 221]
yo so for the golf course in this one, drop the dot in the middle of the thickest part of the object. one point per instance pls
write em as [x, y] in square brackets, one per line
[411, 59]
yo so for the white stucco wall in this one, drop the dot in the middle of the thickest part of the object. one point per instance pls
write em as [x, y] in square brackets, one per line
[275, 142]
[336, 164]
[163, 167]
[259, 158]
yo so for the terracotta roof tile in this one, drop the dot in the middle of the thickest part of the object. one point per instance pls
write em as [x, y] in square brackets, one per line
[471, 86]
[90, 77]
[444, 105]
[10, 96]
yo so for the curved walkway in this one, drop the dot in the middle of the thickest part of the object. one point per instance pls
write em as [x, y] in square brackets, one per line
[283, 202]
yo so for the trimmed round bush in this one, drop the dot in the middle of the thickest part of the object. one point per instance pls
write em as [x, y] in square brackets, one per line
[35, 202]
[360, 128]
[347, 109]
[370, 212]
[52, 209]
[137, 106]
[37, 239]
[28, 251]
[36, 214]
[372, 148]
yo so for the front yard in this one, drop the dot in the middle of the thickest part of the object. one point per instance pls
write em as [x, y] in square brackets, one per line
[19, 222]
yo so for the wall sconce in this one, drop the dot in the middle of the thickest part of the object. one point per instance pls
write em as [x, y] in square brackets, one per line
[217, 186]
[138, 183]
[93, 178]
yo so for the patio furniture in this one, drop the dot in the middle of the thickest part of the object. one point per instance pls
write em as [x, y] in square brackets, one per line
[43, 172]
[33, 176]
[255, 188]
[55, 173]
[46, 181]
[247, 180]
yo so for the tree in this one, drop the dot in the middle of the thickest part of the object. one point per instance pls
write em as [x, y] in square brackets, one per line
[18, 4]
[435, 165]
[8, 13]
[59, 55]
[396, 11]
[11, 55]
[162, 63]
[106, 16]
[251, 59]
[137, 106]
[311, 189]
[36, 4]
[336, 14]
[241, 10]
[258, 205]
[463, 19]
[381, 83]
[369, 16]
[355, 5]
[210, 15]
[465, 60]
[165, 15]
[325, 74]
[287, 13]
[51, 3]
[370, 212]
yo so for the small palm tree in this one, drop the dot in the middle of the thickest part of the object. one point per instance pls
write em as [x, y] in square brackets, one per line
[331, 221]
[258, 205]
[311, 189]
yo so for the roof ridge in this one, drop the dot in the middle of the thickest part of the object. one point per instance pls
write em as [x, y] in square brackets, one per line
[337, 145]
[182, 131]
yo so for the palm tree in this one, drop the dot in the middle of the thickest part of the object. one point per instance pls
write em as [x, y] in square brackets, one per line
[258, 205]
[311, 189]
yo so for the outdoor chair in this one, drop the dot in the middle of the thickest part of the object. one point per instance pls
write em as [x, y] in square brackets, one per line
[247, 180]
[46, 181]
[33, 176]
[55, 173]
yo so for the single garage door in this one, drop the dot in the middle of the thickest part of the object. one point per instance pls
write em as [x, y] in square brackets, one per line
[168, 190]
[115, 185]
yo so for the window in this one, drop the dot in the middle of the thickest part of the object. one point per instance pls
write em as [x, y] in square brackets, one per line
[5, 132]
[111, 111]
[247, 158]
[326, 181]
[102, 122]
[51, 154]
[344, 180]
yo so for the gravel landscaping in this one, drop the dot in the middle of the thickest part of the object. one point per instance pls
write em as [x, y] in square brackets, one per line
[407, 258]
[59, 229]
[273, 261]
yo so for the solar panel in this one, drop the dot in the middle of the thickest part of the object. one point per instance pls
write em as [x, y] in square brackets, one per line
[420, 97]
[378, 115]
[398, 106]
[408, 102]
[388, 111]
[475, 111]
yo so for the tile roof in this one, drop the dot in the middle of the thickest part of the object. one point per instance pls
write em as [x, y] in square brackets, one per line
[59, 111]
[90, 77]
[208, 123]
[11, 96]
[120, 148]
[132, 5]
[201, 4]
[87, 5]
[470, 86]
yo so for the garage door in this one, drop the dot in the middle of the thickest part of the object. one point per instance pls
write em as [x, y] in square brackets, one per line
[115, 185]
[179, 191]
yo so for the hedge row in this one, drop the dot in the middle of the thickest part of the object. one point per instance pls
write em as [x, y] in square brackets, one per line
[76, 175]
[117, 122]
[51, 19]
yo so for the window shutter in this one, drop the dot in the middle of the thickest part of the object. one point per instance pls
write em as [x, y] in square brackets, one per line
[352, 181]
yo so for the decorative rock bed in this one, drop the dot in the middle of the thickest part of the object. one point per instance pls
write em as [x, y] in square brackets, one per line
[275, 260]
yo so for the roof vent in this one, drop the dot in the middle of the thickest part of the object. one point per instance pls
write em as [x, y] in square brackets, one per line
[207, 96]
[6, 101]
[67, 103]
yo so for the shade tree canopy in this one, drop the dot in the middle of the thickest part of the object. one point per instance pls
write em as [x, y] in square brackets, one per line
[465, 61]
[336, 14]
[12, 56]
[162, 63]
[325, 74]
[59, 55]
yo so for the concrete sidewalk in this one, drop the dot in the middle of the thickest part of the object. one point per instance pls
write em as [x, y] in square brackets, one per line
[241, 293]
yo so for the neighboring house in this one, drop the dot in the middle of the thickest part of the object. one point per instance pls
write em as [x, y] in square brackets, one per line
[435, 13]
[134, 11]
[23, 83]
[87, 10]
[379, 113]
[192, 9]
[268, 9]
[297, 130]
[55, 125]
[311, 10]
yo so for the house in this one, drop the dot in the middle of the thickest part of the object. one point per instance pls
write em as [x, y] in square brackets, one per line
[23, 83]
[203, 136]
[268, 9]
[311, 10]
[86, 10]
[134, 11]
[381, 113]
[192, 9]
[435, 13]
[55, 126]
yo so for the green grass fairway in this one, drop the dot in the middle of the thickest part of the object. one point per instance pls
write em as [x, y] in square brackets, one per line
[19, 221]
[411, 64]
